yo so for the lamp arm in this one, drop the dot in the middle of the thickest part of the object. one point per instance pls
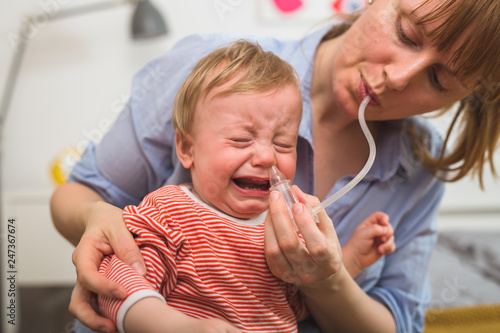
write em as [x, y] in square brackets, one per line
[90, 8]
[13, 74]
[22, 42]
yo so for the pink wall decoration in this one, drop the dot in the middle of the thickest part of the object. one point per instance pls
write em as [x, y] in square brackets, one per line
[280, 11]
[288, 6]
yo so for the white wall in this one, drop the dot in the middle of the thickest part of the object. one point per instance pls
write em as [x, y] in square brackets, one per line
[75, 73]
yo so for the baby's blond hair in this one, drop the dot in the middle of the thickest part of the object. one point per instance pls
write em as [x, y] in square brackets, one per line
[256, 69]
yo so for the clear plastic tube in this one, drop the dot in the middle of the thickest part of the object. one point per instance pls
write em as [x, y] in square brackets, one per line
[363, 172]
[279, 183]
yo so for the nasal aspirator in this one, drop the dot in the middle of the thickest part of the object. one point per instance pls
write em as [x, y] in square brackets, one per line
[280, 183]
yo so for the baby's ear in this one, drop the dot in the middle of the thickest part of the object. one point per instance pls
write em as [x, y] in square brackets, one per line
[184, 148]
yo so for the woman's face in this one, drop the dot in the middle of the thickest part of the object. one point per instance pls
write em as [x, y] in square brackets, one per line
[387, 55]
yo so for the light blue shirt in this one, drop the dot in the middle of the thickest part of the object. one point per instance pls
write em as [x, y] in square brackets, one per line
[138, 156]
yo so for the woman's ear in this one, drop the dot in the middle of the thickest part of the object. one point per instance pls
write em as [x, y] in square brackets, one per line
[184, 148]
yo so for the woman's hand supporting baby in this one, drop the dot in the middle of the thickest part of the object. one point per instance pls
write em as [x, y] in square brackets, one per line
[103, 232]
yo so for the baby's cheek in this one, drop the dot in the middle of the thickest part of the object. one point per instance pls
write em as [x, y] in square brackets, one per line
[215, 183]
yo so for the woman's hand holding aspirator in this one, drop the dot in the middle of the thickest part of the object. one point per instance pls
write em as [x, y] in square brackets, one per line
[307, 261]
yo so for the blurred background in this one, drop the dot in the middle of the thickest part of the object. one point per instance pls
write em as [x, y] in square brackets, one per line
[74, 77]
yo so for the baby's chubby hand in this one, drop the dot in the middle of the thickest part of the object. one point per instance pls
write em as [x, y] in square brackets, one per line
[373, 238]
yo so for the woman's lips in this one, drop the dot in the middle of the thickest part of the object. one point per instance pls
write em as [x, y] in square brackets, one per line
[365, 89]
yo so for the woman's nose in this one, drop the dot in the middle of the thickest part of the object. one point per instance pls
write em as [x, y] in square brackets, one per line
[399, 73]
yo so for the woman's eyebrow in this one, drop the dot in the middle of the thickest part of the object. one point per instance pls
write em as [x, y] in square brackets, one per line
[424, 31]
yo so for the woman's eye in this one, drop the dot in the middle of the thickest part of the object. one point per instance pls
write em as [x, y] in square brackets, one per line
[402, 35]
[434, 78]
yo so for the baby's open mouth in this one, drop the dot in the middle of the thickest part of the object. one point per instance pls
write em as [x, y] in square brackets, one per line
[252, 184]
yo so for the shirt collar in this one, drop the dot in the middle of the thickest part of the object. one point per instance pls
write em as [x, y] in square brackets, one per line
[256, 221]
[389, 148]
[307, 49]
[395, 156]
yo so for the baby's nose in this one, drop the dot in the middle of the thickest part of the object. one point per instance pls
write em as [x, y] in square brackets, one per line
[263, 156]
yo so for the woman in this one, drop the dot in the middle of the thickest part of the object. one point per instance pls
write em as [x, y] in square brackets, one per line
[411, 57]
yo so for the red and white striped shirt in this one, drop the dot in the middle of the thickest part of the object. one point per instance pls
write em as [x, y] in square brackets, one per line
[202, 264]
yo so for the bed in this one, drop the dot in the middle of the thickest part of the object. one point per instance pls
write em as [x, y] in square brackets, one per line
[464, 274]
